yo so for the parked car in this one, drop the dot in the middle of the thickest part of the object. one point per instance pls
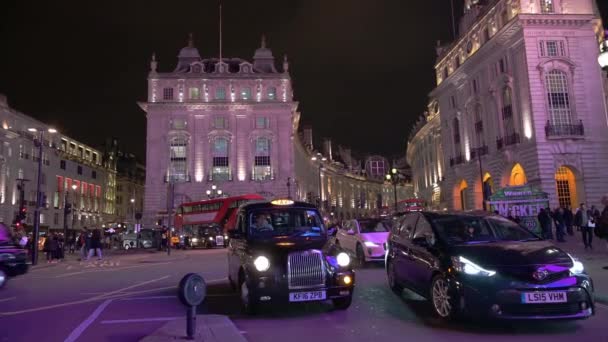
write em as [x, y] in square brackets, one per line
[365, 238]
[279, 254]
[485, 265]
[13, 262]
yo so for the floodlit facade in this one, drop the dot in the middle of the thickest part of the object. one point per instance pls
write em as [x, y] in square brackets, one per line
[71, 171]
[425, 156]
[522, 97]
[225, 122]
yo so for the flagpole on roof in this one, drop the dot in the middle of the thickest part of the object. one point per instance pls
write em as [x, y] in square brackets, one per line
[220, 31]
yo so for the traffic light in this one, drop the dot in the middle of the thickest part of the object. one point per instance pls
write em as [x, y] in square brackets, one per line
[21, 216]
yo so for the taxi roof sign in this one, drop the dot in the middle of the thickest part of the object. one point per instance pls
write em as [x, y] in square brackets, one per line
[282, 201]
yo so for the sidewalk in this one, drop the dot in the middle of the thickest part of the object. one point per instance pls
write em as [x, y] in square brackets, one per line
[595, 262]
[209, 328]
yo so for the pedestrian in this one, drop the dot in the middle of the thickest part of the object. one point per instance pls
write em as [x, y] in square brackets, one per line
[568, 220]
[186, 242]
[602, 225]
[545, 224]
[72, 242]
[95, 246]
[163, 239]
[558, 217]
[583, 220]
[23, 241]
[50, 247]
[59, 252]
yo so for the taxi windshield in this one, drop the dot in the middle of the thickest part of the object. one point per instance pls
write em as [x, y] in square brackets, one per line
[294, 222]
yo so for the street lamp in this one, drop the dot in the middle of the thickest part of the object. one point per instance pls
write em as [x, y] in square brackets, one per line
[38, 192]
[214, 192]
[393, 178]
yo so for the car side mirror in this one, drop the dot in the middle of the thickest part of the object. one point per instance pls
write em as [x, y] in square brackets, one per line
[421, 241]
[350, 232]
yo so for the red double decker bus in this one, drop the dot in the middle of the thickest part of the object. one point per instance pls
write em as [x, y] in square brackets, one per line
[218, 211]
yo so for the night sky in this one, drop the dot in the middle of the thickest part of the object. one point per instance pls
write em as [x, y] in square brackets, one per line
[361, 69]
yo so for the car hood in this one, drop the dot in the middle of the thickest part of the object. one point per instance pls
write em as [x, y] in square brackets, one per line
[378, 238]
[513, 254]
[286, 245]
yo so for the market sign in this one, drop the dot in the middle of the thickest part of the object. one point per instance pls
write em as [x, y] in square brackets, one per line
[523, 202]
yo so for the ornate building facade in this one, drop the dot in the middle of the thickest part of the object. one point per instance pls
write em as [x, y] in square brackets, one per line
[72, 172]
[522, 99]
[225, 122]
[425, 156]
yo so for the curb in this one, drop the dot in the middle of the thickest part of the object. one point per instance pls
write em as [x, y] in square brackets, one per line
[209, 328]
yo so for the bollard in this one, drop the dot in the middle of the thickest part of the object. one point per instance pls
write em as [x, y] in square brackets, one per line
[192, 292]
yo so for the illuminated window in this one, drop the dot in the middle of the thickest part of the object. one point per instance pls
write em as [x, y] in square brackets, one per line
[272, 93]
[220, 93]
[178, 168]
[558, 98]
[261, 165]
[168, 94]
[246, 93]
[565, 183]
[377, 168]
[518, 176]
[262, 122]
[220, 169]
[546, 6]
[194, 93]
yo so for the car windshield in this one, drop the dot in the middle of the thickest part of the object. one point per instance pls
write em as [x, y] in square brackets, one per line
[374, 226]
[209, 230]
[285, 222]
[472, 230]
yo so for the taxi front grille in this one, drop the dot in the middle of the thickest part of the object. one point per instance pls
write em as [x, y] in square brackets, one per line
[305, 269]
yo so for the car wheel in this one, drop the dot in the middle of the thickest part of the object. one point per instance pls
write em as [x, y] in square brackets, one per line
[3, 278]
[360, 256]
[392, 280]
[248, 303]
[441, 298]
[342, 303]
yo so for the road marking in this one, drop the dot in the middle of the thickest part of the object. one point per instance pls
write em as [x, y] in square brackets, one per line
[140, 320]
[150, 297]
[85, 324]
[107, 270]
[108, 295]
[7, 299]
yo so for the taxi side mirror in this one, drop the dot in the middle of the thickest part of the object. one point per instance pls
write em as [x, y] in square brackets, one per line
[421, 241]
[235, 234]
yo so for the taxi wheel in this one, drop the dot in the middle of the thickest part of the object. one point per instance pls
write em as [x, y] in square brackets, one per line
[342, 303]
[442, 299]
[248, 303]
[3, 278]
[392, 280]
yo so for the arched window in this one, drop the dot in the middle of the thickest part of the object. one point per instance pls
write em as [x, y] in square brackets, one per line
[221, 160]
[546, 6]
[507, 112]
[178, 160]
[558, 98]
[518, 176]
[261, 160]
[463, 194]
[565, 183]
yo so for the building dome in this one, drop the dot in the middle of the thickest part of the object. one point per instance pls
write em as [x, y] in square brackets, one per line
[187, 55]
[263, 60]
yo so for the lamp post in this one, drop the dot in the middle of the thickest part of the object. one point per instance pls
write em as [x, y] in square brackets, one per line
[320, 159]
[67, 209]
[38, 191]
[393, 177]
[214, 192]
[478, 151]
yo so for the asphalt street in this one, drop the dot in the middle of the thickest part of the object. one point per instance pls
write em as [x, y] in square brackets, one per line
[125, 298]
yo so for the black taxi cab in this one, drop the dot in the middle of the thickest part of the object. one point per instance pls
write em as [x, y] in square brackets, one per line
[279, 253]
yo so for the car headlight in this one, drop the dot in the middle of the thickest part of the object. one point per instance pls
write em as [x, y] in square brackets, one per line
[370, 244]
[195, 240]
[261, 263]
[225, 237]
[577, 266]
[210, 238]
[466, 266]
[343, 259]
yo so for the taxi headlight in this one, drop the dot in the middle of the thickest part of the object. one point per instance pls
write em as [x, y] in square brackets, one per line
[577, 266]
[210, 238]
[261, 263]
[194, 240]
[225, 237]
[343, 259]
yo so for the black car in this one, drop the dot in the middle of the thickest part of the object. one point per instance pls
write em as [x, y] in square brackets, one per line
[485, 265]
[13, 262]
[279, 253]
[209, 236]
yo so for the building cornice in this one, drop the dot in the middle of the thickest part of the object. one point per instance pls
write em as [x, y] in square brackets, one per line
[221, 106]
[214, 76]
